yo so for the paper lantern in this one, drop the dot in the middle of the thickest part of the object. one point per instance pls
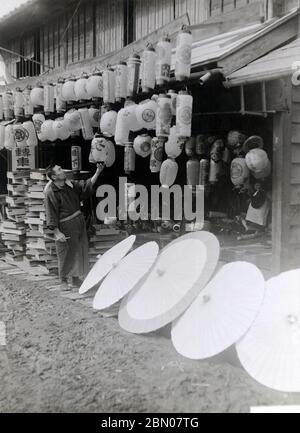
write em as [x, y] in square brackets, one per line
[184, 111]
[204, 167]
[32, 140]
[202, 148]
[48, 99]
[68, 90]
[253, 142]
[109, 86]
[129, 158]
[146, 114]
[94, 86]
[239, 172]
[173, 146]
[257, 160]
[108, 123]
[157, 154]
[173, 96]
[28, 106]
[18, 103]
[86, 125]
[1, 108]
[235, 140]
[61, 130]
[215, 170]
[80, 89]
[94, 114]
[9, 138]
[60, 103]
[7, 99]
[168, 172]
[2, 136]
[20, 135]
[37, 96]
[73, 120]
[163, 61]
[121, 76]
[38, 119]
[183, 54]
[76, 158]
[133, 64]
[192, 172]
[122, 128]
[48, 131]
[190, 147]
[216, 151]
[111, 154]
[142, 145]
[264, 173]
[98, 151]
[148, 69]
[163, 116]
[130, 114]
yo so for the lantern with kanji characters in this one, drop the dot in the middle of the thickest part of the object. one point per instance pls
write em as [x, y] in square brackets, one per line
[183, 54]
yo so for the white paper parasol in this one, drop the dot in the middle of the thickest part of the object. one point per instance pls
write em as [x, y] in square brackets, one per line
[126, 275]
[179, 274]
[106, 262]
[222, 313]
[270, 351]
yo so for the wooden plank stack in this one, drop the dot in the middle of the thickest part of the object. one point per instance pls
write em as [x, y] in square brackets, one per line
[103, 239]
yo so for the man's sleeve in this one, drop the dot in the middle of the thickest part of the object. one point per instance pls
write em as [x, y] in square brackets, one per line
[85, 189]
[52, 210]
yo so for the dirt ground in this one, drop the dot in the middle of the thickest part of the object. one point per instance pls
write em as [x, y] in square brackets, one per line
[61, 356]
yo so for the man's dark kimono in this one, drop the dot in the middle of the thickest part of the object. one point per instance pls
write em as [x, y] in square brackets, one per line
[63, 213]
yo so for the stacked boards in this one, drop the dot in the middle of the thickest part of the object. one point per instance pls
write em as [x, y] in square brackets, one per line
[104, 238]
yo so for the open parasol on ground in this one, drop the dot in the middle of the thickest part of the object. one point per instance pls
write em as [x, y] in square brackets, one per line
[106, 262]
[270, 351]
[127, 273]
[222, 313]
[181, 271]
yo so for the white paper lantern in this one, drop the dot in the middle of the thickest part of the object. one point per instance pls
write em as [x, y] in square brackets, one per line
[122, 128]
[28, 106]
[68, 90]
[73, 120]
[80, 89]
[98, 151]
[94, 114]
[37, 96]
[9, 138]
[1, 108]
[142, 145]
[108, 123]
[184, 112]
[32, 140]
[146, 114]
[48, 99]
[109, 86]
[148, 69]
[121, 75]
[163, 61]
[133, 64]
[20, 135]
[7, 99]
[163, 116]
[257, 160]
[173, 146]
[173, 96]
[239, 172]
[130, 114]
[86, 126]
[38, 119]
[168, 173]
[111, 154]
[48, 131]
[61, 130]
[60, 103]
[94, 86]
[18, 103]
[183, 55]
[264, 173]
[2, 136]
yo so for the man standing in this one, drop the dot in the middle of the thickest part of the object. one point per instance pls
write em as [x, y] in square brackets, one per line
[64, 218]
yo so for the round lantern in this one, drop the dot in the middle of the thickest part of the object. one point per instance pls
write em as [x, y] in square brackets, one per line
[264, 173]
[148, 69]
[183, 54]
[9, 138]
[98, 149]
[2, 136]
[1, 108]
[94, 86]
[86, 126]
[48, 131]
[146, 114]
[108, 123]
[130, 114]
[257, 160]
[168, 173]
[204, 171]
[60, 103]
[73, 120]
[184, 109]
[109, 86]
[163, 116]
[80, 89]
[173, 146]
[133, 64]
[129, 158]
[157, 154]
[48, 99]
[202, 148]
[142, 145]
[20, 135]
[121, 77]
[28, 106]
[215, 170]
[7, 99]
[163, 61]
[193, 172]
[38, 119]
[111, 153]
[122, 128]
[235, 140]
[173, 96]
[32, 140]
[239, 172]
[190, 147]
[37, 96]
[61, 130]
[254, 142]
[94, 114]
[18, 103]
[68, 90]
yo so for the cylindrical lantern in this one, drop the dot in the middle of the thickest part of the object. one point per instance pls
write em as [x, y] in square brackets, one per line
[121, 77]
[98, 149]
[9, 138]
[129, 158]
[60, 103]
[215, 170]
[146, 114]
[148, 69]
[32, 140]
[183, 55]
[94, 114]
[76, 158]
[38, 119]
[7, 99]
[86, 126]
[20, 135]
[94, 86]
[257, 160]
[133, 64]
[202, 148]
[68, 90]
[18, 103]
[37, 96]
[239, 172]
[48, 99]
[122, 128]
[111, 153]
[73, 120]
[80, 88]
[61, 130]
[142, 145]
[216, 151]
[173, 96]
[204, 171]
[157, 154]
[163, 116]
[109, 86]
[1, 108]
[28, 106]
[184, 110]
[108, 123]
[193, 172]
[163, 61]
[168, 172]
[190, 147]
[173, 146]
[2, 136]
[48, 131]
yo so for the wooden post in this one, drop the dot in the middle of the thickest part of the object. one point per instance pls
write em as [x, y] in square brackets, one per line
[272, 9]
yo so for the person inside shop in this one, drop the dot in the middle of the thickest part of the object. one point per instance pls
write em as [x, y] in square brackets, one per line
[64, 218]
